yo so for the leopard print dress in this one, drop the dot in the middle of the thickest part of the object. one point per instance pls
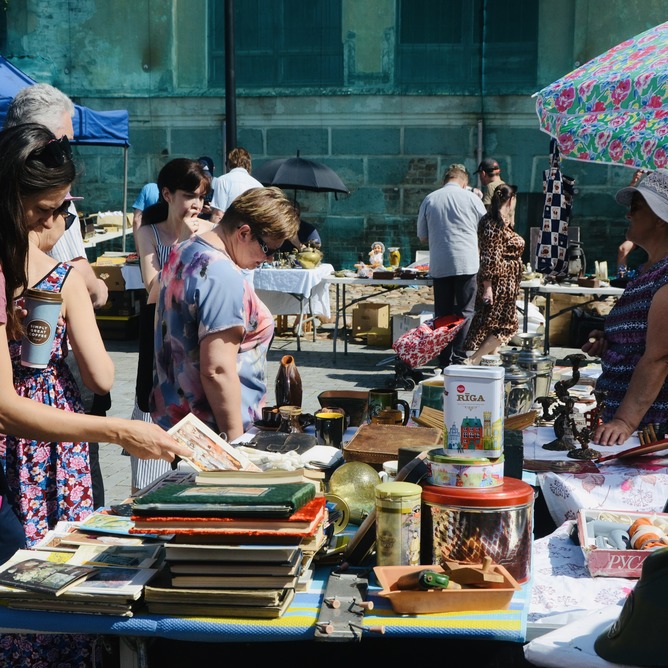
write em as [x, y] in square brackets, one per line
[501, 251]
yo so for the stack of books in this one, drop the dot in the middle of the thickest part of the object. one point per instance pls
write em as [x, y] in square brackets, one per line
[92, 579]
[236, 549]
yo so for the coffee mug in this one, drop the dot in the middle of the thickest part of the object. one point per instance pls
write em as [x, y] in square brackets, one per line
[271, 416]
[432, 394]
[381, 398]
[388, 416]
[330, 425]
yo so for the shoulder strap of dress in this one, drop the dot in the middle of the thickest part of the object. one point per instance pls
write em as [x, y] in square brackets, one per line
[157, 236]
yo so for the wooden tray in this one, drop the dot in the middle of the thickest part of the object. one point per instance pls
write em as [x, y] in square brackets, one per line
[376, 443]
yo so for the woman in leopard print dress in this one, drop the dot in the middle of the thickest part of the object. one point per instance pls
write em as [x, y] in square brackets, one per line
[495, 319]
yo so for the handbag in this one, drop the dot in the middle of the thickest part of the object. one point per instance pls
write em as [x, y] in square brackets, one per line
[553, 240]
[421, 344]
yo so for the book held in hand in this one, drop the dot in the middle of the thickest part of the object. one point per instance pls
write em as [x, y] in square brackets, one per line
[25, 571]
[281, 500]
[209, 452]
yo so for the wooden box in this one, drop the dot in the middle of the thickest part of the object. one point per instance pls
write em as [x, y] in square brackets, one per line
[376, 443]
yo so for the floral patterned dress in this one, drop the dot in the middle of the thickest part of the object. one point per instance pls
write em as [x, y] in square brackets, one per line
[48, 481]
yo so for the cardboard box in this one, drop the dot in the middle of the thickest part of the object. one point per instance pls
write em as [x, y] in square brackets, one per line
[605, 560]
[370, 315]
[120, 304]
[404, 323]
[111, 275]
[118, 328]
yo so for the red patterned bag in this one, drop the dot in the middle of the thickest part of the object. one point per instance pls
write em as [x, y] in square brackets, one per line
[422, 344]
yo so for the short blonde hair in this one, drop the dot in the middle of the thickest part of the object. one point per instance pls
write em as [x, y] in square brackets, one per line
[267, 211]
[456, 171]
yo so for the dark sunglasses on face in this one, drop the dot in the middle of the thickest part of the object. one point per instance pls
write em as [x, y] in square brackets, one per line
[264, 248]
[63, 210]
[56, 152]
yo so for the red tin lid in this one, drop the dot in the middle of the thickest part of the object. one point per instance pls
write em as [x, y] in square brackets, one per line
[513, 492]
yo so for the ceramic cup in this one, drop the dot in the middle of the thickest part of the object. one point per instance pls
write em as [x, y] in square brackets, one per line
[271, 416]
[330, 425]
[388, 416]
[381, 398]
[43, 308]
[389, 472]
[432, 394]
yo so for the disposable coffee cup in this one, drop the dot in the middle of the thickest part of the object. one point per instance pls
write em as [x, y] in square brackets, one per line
[40, 324]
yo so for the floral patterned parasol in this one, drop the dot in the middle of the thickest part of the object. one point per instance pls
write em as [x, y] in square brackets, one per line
[613, 109]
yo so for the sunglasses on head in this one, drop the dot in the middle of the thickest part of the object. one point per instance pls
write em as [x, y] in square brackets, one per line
[63, 210]
[264, 248]
[56, 152]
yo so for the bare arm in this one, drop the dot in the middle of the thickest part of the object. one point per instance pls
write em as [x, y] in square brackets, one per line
[148, 257]
[32, 419]
[220, 380]
[647, 379]
[97, 288]
[95, 364]
[216, 215]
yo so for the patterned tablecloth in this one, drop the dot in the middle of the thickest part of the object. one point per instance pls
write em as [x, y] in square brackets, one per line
[637, 484]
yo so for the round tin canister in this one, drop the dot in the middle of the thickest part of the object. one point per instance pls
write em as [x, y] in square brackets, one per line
[445, 471]
[470, 524]
[398, 523]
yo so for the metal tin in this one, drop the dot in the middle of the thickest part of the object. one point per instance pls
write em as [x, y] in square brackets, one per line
[474, 411]
[532, 359]
[398, 522]
[446, 471]
[468, 525]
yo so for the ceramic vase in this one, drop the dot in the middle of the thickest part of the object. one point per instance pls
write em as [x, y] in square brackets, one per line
[288, 383]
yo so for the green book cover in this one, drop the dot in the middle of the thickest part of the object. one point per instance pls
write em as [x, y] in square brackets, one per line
[178, 500]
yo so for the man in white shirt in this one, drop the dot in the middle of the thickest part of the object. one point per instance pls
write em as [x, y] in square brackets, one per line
[448, 221]
[44, 104]
[237, 181]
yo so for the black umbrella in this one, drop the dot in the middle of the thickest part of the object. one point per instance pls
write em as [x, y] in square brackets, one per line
[300, 174]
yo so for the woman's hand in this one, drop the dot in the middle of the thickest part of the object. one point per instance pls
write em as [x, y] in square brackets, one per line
[615, 432]
[596, 345]
[487, 294]
[146, 440]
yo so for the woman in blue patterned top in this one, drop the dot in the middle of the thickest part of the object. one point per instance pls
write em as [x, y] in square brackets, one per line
[212, 331]
[634, 344]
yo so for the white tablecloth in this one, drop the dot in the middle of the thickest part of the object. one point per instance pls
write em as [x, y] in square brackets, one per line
[638, 484]
[276, 287]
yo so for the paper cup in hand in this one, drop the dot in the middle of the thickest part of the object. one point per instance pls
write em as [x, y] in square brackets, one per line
[40, 324]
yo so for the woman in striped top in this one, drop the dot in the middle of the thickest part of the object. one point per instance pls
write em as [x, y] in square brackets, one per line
[183, 184]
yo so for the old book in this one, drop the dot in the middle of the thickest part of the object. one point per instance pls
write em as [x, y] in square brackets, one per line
[119, 609]
[225, 501]
[289, 568]
[268, 477]
[209, 452]
[127, 556]
[302, 523]
[114, 581]
[163, 593]
[27, 571]
[234, 581]
[186, 608]
[247, 554]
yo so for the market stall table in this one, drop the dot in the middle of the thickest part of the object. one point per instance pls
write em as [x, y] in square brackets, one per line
[287, 291]
[384, 286]
[637, 484]
[536, 287]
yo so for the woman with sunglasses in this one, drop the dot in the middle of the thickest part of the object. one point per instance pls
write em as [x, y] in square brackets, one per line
[47, 486]
[212, 330]
[36, 174]
[183, 185]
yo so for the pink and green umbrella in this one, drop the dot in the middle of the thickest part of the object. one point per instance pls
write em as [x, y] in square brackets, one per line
[613, 109]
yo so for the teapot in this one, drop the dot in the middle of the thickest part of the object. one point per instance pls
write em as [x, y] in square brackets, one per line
[309, 257]
[576, 262]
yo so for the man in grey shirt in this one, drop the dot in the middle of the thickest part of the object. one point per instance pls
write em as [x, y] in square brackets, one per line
[448, 222]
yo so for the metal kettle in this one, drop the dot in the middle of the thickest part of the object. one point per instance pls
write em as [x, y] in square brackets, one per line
[518, 384]
[533, 360]
[576, 261]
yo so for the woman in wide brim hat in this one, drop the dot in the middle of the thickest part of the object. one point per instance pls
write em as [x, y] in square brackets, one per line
[633, 346]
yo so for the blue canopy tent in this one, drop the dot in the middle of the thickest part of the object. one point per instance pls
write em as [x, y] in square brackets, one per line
[92, 128]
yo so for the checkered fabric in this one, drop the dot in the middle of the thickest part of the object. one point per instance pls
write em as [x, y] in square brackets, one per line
[553, 241]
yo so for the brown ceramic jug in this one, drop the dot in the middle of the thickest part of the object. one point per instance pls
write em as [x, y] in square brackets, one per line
[288, 383]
